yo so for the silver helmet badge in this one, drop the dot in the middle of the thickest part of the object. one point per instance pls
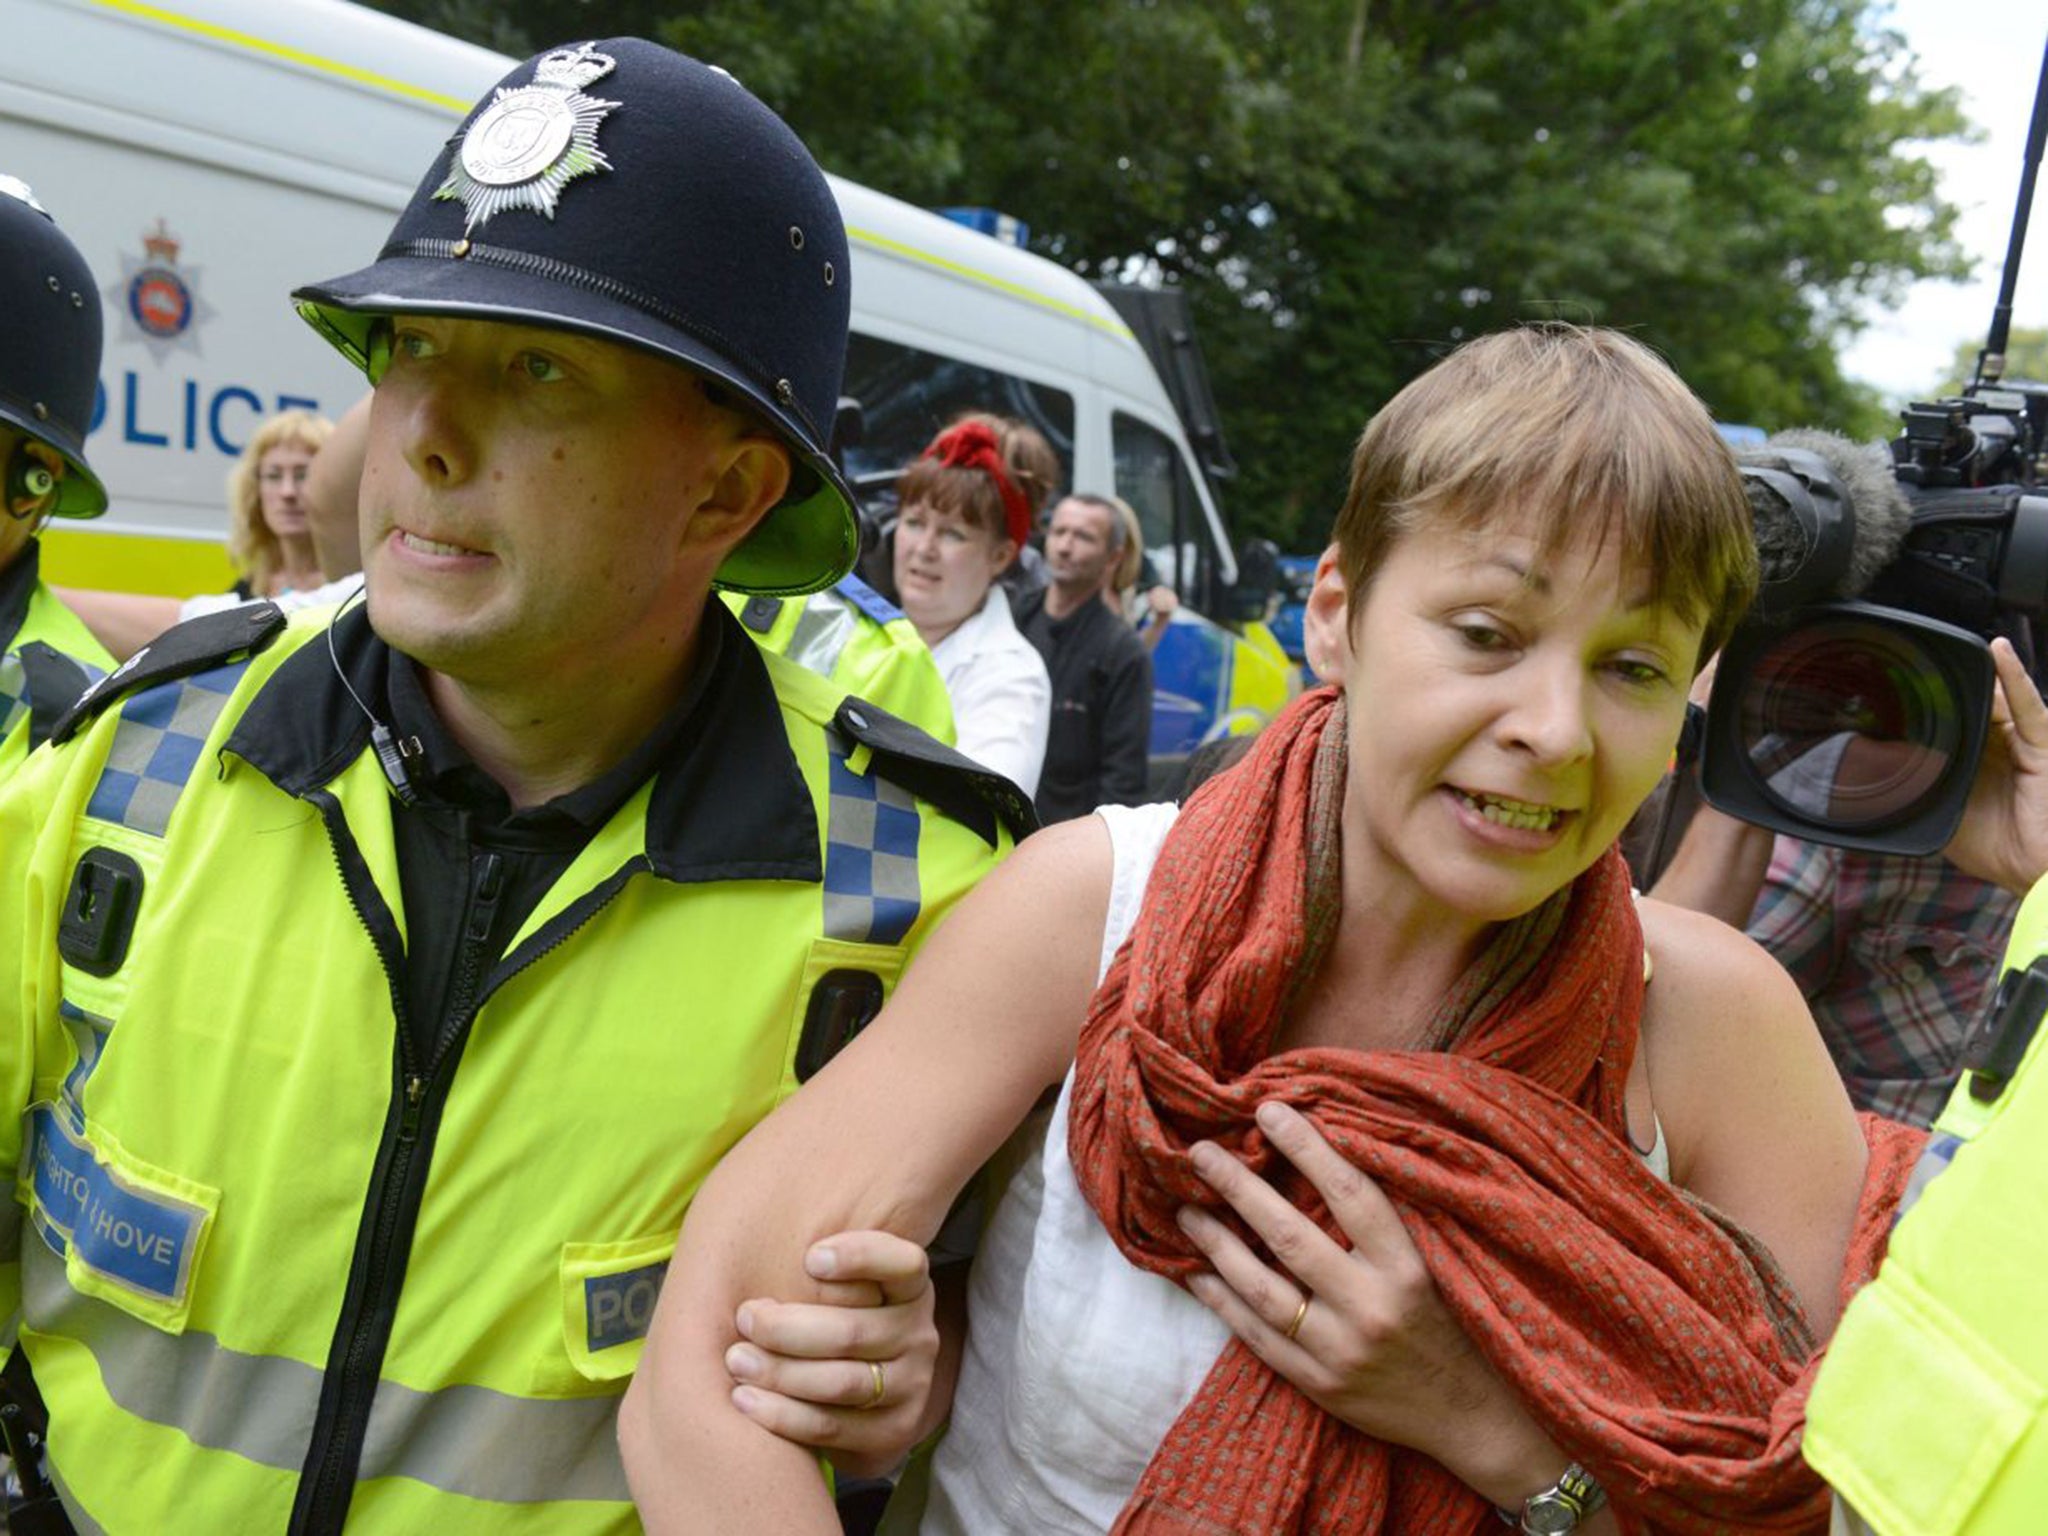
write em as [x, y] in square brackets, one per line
[532, 140]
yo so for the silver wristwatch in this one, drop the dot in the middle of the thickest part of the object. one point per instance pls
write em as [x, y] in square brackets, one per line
[1559, 1508]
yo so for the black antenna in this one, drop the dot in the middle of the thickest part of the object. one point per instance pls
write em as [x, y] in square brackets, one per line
[1991, 361]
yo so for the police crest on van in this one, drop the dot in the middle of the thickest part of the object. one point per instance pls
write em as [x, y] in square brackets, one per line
[157, 299]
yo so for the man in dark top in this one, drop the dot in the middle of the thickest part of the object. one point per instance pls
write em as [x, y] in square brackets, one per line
[1101, 730]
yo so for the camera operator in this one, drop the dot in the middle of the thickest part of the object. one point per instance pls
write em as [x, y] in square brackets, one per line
[1894, 953]
[1843, 725]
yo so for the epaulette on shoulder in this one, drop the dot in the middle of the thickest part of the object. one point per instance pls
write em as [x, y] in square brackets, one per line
[760, 613]
[55, 680]
[978, 798]
[194, 646]
[868, 600]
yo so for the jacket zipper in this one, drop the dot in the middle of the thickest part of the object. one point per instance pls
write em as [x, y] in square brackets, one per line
[334, 1451]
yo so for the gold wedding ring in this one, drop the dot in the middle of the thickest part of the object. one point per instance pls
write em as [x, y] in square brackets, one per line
[881, 1387]
[1294, 1327]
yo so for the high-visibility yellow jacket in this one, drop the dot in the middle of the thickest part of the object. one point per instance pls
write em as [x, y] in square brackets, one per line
[1930, 1415]
[861, 641]
[273, 1270]
[30, 612]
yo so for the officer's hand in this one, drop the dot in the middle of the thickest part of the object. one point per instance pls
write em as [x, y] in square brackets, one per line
[848, 1377]
[2004, 833]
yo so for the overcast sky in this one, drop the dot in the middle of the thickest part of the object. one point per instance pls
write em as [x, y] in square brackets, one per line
[1991, 49]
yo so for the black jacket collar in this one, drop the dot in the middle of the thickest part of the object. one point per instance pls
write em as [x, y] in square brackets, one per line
[729, 801]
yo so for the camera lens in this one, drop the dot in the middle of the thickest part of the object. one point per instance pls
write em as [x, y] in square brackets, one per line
[1849, 722]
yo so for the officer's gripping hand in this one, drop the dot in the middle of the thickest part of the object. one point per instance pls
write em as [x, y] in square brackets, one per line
[851, 1375]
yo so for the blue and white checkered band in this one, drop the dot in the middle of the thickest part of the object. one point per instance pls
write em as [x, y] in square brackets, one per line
[17, 690]
[13, 692]
[157, 745]
[89, 1033]
[1940, 1151]
[532, 140]
[871, 891]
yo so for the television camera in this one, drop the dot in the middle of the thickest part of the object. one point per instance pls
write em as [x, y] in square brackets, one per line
[1853, 704]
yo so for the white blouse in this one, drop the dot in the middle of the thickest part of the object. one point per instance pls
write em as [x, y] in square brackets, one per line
[1077, 1362]
[1002, 697]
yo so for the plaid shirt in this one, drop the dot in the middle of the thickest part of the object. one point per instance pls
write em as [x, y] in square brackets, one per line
[1896, 956]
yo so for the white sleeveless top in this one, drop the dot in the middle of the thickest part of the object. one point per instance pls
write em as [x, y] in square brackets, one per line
[1077, 1362]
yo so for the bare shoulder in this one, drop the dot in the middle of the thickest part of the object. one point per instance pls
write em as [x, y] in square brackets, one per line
[1016, 958]
[1722, 1018]
[1745, 1090]
[1703, 965]
[1054, 888]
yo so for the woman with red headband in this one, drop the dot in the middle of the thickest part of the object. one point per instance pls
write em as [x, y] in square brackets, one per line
[967, 508]
[1406, 1172]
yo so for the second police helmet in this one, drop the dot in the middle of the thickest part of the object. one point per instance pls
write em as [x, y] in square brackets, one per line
[50, 326]
[621, 190]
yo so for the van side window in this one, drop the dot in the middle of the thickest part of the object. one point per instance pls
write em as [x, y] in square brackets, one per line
[907, 395]
[1152, 475]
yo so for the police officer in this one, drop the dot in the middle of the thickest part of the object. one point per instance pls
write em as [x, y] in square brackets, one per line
[862, 642]
[389, 987]
[49, 368]
[1930, 1413]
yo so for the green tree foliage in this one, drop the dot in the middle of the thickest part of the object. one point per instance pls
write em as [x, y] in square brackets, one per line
[2026, 357]
[1347, 187]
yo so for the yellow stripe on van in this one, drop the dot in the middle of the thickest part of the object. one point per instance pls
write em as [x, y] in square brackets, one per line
[255, 44]
[134, 562]
[1105, 323]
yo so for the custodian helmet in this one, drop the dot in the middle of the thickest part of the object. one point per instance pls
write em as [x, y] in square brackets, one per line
[49, 342]
[621, 190]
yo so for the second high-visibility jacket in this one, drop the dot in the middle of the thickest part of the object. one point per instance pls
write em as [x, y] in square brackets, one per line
[29, 614]
[1930, 1415]
[860, 641]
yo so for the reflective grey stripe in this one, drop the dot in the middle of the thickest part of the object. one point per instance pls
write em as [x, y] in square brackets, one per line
[489, 1445]
[466, 1440]
[259, 1406]
[821, 633]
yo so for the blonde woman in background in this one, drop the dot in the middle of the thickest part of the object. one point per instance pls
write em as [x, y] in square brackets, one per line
[1149, 610]
[1121, 595]
[269, 536]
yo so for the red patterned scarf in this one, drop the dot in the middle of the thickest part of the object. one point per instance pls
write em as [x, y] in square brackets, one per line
[1659, 1344]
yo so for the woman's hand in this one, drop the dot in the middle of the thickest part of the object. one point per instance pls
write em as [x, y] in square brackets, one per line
[2004, 833]
[1364, 1334]
[849, 1376]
